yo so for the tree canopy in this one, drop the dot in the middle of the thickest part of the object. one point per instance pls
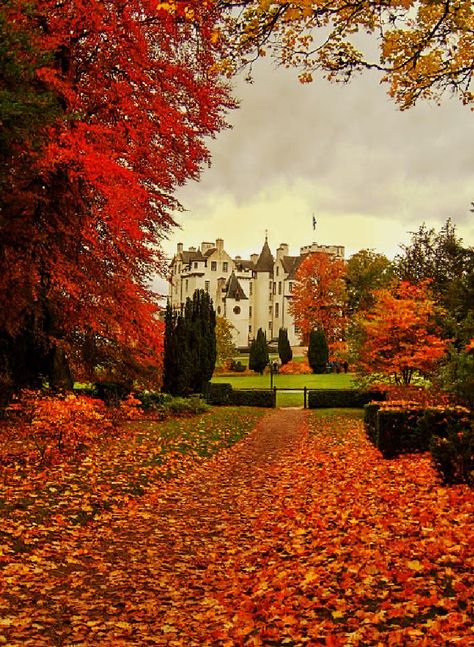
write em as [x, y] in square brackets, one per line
[134, 91]
[423, 48]
[319, 296]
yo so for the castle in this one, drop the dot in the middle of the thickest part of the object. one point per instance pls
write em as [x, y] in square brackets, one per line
[250, 294]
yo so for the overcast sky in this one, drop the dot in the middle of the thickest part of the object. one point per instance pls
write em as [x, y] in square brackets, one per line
[346, 153]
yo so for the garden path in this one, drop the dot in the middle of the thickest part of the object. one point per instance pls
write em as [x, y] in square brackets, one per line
[288, 537]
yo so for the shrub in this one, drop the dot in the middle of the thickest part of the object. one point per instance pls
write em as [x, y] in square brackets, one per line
[185, 406]
[153, 400]
[61, 425]
[453, 455]
[112, 392]
[258, 355]
[236, 367]
[403, 427]
[253, 398]
[295, 368]
[218, 394]
[339, 398]
[284, 349]
[318, 351]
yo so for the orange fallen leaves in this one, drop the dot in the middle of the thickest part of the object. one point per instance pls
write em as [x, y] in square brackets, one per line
[301, 535]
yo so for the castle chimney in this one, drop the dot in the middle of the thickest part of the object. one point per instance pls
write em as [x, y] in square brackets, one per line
[254, 258]
[219, 244]
[180, 248]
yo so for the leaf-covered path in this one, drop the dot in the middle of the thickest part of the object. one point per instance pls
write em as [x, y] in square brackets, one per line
[298, 535]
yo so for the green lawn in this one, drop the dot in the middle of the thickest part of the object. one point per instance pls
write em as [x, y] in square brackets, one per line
[285, 398]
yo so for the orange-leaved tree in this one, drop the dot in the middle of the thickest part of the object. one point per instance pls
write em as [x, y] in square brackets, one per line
[319, 296]
[398, 335]
[89, 194]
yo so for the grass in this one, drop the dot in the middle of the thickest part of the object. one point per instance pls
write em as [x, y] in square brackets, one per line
[325, 381]
[287, 398]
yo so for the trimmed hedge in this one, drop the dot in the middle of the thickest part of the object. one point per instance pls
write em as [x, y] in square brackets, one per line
[218, 393]
[224, 394]
[340, 398]
[395, 429]
[253, 398]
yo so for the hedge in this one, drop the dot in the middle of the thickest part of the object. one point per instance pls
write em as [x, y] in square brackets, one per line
[396, 429]
[224, 394]
[253, 398]
[340, 398]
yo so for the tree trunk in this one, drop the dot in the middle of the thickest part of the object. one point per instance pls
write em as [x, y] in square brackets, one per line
[60, 376]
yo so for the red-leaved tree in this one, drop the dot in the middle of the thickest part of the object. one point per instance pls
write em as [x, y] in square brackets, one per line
[90, 194]
[398, 335]
[319, 296]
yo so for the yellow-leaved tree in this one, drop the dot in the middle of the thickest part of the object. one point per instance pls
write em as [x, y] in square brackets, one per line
[425, 48]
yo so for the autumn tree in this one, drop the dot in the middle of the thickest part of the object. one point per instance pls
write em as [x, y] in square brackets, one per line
[190, 346]
[318, 351]
[398, 337]
[258, 357]
[319, 296]
[423, 48]
[131, 91]
[284, 349]
[441, 258]
[367, 271]
[224, 344]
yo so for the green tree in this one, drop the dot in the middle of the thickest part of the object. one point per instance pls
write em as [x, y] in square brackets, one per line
[189, 346]
[441, 258]
[284, 349]
[367, 271]
[259, 358]
[225, 346]
[318, 351]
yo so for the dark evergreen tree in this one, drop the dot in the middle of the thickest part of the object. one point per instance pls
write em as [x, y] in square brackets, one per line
[258, 357]
[318, 351]
[190, 346]
[284, 349]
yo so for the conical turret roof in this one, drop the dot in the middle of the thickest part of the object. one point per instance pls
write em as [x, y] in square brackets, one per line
[265, 260]
[234, 289]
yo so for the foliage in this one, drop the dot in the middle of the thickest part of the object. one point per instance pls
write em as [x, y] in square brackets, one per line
[319, 295]
[60, 426]
[318, 351]
[441, 258]
[284, 349]
[380, 545]
[237, 366]
[397, 427]
[224, 345]
[398, 334]
[453, 455]
[258, 357]
[254, 398]
[341, 398]
[456, 375]
[423, 48]
[190, 346]
[296, 368]
[89, 197]
[366, 271]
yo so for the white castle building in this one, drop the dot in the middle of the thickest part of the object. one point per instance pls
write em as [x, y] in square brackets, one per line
[250, 294]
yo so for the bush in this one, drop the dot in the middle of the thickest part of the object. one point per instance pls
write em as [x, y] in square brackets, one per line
[253, 398]
[453, 455]
[237, 367]
[318, 351]
[404, 427]
[112, 392]
[295, 368]
[152, 400]
[185, 406]
[218, 394]
[339, 398]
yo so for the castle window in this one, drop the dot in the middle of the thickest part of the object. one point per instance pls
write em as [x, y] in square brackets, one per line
[186, 285]
[218, 310]
[225, 266]
[213, 266]
[250, 288]
[270, 310]
[195, 266]
[236, 310]
[277, 309]
[279, 287]
[277, 270]
[290, 285]
[250, 311]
